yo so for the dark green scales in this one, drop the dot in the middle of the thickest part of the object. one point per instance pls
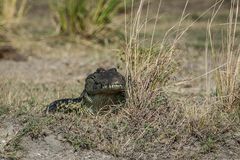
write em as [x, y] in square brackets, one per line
[102, 88]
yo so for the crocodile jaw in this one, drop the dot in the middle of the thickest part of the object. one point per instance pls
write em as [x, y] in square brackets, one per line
[113, 87]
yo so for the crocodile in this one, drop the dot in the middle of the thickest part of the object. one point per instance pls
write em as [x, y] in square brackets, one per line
[102, 88]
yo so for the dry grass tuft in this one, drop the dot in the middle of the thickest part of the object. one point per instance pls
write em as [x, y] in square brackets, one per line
[148, 68]
[227, 60]
[227, 77]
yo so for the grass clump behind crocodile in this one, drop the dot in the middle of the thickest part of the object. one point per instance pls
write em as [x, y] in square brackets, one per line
[102, 88]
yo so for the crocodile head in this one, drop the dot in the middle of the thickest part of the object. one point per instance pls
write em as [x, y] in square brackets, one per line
[105, 87]
[105, 82]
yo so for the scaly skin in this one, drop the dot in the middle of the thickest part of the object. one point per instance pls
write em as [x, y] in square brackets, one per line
[102, 88]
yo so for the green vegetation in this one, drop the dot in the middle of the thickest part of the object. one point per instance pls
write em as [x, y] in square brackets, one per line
[208, 145]
[84, 17]
[3, 110]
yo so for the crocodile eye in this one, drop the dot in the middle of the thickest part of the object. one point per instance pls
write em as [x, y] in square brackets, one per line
[99, 70]
[90, 80]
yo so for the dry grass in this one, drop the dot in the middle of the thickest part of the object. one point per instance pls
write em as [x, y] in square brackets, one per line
[227, 77]
[12, 11]
[147, 68]
[148, 71]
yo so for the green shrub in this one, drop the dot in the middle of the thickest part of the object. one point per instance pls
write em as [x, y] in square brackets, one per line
[84, 17]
